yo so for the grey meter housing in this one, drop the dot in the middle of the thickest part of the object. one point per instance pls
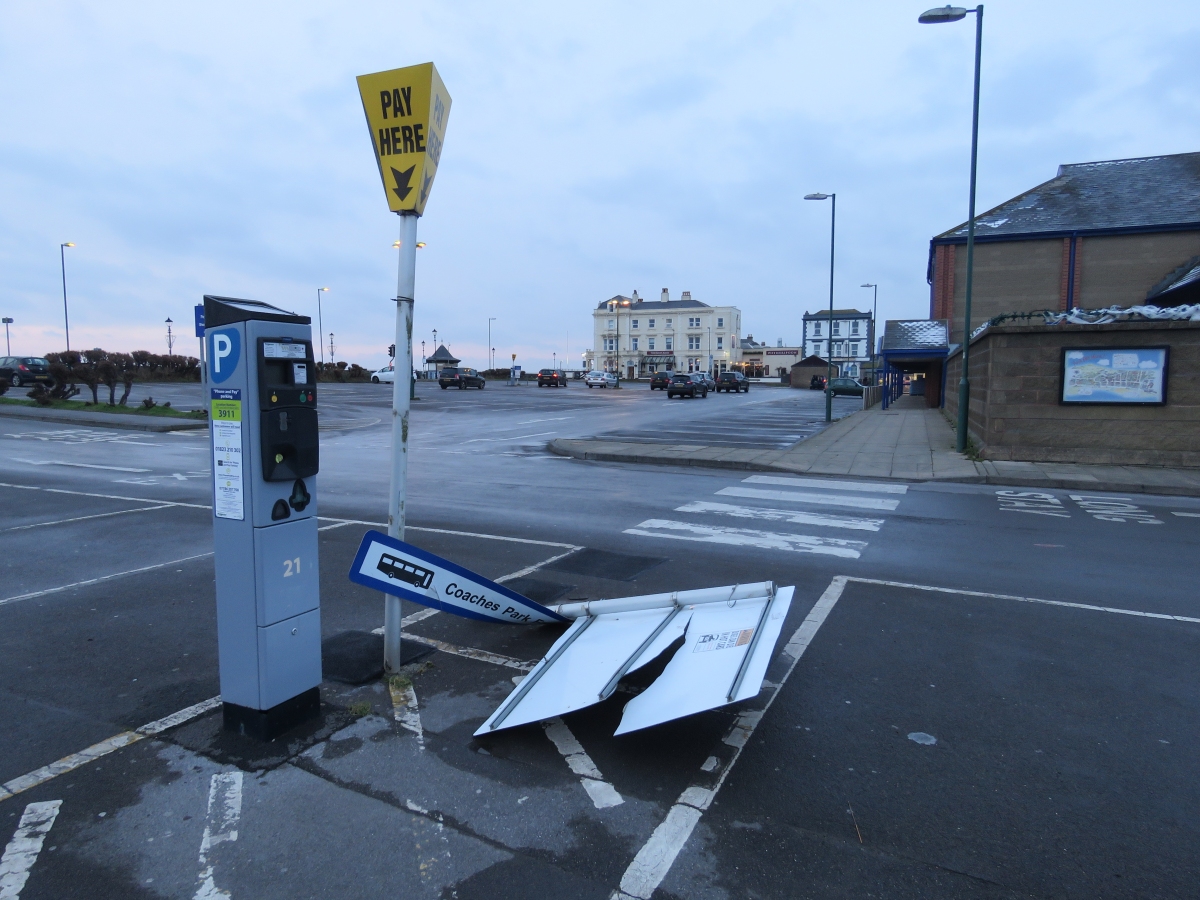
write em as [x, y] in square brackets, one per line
[260, 381]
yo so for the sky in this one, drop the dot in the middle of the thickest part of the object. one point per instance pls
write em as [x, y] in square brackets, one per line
[221, 148]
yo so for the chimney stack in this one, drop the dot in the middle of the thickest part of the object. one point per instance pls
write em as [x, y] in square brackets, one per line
[685, 296]
[780, 344]
[666, 297]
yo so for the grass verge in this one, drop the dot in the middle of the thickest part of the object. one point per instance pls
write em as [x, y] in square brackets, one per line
[162, 412]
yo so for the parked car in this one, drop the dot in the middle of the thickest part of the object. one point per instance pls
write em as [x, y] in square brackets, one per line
[552, 378]
[660, 381]
[461, 378]
[847, 386]
[386, 375]
[709, 380]
[733, 381]
[817, 383]
[24, 370]
[687, 384]
[601, 379]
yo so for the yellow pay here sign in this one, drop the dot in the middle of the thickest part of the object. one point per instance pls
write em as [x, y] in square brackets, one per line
[406, 111]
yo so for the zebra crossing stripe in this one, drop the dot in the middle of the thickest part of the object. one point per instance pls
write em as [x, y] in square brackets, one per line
[879, 503]
[746, 537]
[781, 515]
[866, 486]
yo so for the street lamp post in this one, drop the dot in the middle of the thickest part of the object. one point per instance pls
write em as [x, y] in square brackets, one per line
[170, 338]
[331, 348]
[934, 17]
[491, 349]
[62, 258]
[874, 336]
[829, 360]
[7, 343]
[321, 323]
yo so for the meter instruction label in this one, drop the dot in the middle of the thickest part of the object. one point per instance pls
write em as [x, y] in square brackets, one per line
[226, 418]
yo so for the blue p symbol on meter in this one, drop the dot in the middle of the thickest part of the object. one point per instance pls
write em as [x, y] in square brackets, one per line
[224, 350]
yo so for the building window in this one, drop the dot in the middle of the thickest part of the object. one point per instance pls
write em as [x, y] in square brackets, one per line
[633, 323]
[720, 322]
[650, 323]
[693, 322]
[649, 343]
[816, 329]
[837, 328]
[669, 343]
[854, 349]
[854, 327]
[612, 323]
[693, 342]
[633, 343]
[610, 344]
[668, 323]
[720, 342]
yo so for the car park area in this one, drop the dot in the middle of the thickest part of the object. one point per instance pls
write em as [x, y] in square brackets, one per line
[970, 698]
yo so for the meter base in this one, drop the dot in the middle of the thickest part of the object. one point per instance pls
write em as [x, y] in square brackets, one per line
[268, 724]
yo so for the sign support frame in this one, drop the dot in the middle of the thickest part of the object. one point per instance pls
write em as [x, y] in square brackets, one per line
[401, 406]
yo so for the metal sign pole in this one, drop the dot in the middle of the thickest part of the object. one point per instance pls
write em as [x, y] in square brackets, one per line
[405, 282]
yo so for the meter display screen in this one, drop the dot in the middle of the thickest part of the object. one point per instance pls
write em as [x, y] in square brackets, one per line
[273, 350]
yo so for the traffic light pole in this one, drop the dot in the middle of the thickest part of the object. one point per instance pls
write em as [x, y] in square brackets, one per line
[401, 397]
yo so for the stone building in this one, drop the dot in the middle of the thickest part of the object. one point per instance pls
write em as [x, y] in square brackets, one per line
[1098, 234]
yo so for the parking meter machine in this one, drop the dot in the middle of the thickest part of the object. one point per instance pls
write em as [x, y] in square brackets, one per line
[260, 383]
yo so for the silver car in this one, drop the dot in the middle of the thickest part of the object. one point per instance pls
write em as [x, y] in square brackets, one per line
[601, 379]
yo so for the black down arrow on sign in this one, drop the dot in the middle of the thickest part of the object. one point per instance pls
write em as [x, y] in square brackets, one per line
[402, 188]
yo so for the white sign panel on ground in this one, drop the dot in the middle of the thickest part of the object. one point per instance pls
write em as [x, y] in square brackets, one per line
[402, 570]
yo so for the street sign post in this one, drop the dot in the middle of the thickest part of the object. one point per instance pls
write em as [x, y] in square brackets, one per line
[199, 310]
[407, 110]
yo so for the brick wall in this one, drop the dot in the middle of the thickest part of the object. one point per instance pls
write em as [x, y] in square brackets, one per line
[1015, 374]
[1019, 276]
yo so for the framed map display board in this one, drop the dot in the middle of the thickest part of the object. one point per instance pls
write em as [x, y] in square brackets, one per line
[1120, 375]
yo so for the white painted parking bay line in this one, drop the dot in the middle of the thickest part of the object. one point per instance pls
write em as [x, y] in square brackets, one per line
[116, 742]
[602, 793]
[879, 503]
[53, 462]
[866, 486]
[1189, 515]
[745, 537]
[119, 512]
[102, 578]
[220, 827]
[781, 515]
[32, 487]
[22, 851]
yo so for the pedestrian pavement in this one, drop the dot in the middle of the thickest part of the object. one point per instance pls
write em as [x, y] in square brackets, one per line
[907, 442]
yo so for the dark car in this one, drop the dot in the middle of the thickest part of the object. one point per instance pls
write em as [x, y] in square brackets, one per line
[552, 378]
[687, 384]
[817, 383]
[847, 386]
[460, 378]
[660, 380]
[733, 381]
[23, 370]
[709, 381]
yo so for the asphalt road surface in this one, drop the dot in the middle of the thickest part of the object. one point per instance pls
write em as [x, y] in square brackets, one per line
[979, 691]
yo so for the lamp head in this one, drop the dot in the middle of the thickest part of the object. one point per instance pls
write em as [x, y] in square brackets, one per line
[420, 244]
[67, 244]
[169, 322]
[322, 289]
[816, 196]
[942, 14]
[868, 285]
[396, 244]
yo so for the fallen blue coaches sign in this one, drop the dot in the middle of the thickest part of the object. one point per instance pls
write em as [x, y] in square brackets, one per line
[402, 570]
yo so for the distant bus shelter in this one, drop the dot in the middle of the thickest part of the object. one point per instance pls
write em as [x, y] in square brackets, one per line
[916, 350]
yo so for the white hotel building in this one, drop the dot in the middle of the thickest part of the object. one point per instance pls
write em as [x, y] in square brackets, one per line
[848, 336]
[636, 337]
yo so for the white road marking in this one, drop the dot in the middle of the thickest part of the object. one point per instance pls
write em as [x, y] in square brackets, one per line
[22, 851]
[53, 462]
[817, 499]
[116, 742]
[406, 711]
[102, 578]
[31, 487]
[781, 515]
[119, 512]
[1114, 509]
[495, 659]
[519, 437]
[1189, 515]
[657, 855]
[532, 421]
[1069, 605]
[866, 486]
[220, 827]
[474, 534]
[528, 570]
[746, 537]
[602, 793]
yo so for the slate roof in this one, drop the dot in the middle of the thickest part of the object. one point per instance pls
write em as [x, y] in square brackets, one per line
[653, 305]
[441, 354]
[1149, 193]
[824, 313]
[1180, 286]
[916, 334]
